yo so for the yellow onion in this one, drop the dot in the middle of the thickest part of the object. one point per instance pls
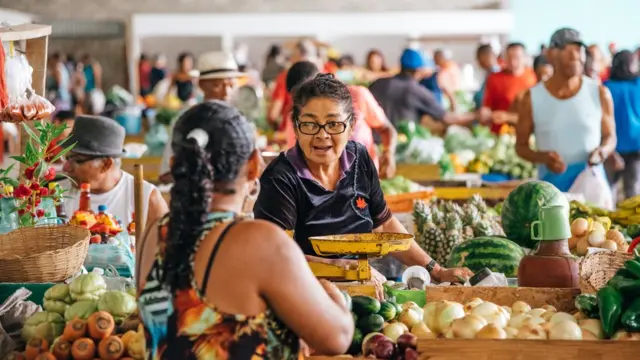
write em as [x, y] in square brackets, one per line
[537, 312]
[560, 317]
[468, 326]
[592, 326]
[565, 330]
[520, 307]
[532, 332]
[491, 331]
[422, 332]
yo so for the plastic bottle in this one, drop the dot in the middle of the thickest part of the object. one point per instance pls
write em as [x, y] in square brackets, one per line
[99, 271]
[85, 197]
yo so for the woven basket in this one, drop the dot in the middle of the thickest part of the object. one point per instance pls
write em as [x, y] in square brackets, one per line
[597, 269]
[43, 253]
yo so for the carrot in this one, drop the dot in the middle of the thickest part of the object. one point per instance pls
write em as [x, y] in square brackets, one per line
[74, 330]
[111, 348]
[35, 346]
[83, 349]
[100, 325]
[62, 350]
[45, 356]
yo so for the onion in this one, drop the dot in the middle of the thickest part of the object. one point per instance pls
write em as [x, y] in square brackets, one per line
[408, 305]
[393, 331]
[547, 315]
[596, 237]
[626, 336]
[616, 236]
[579, 316]
[468, 326]
[583, 246]
[565, 330]
[429, 314]
[532, 332]
[446, 313]
[511, 332]
[593, 326]
[579, 227]
[537, 312]
[507, 309]
[422, 332]
[596, 226]
[609, 245]
[410, 318]
[491, 331]
[573, 242]
[549, 308]
[492, 313]
[517, 321]
[560, 317]
[587, 335]
[520, 307]
[405, 327]
[472, 304]
[406, 341]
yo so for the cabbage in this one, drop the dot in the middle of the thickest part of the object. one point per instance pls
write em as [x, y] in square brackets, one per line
[57, 299]
[87, 287]
[44, 324]
[81, 310]
[118, 303]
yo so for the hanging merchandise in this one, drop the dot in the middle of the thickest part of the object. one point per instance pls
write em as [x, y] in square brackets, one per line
[23, 103]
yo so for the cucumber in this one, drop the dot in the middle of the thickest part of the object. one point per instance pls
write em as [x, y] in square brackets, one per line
[356, 342]
[365, 305]
[371, 323]
[387, 311]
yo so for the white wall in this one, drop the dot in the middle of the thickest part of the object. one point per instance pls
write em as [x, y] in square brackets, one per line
[15, 17]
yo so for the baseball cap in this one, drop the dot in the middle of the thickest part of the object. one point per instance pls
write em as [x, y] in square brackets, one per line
[565, 36]
[411, 59]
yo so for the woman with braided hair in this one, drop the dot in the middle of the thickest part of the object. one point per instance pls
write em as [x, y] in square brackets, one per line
[215, 286]
[327, 184]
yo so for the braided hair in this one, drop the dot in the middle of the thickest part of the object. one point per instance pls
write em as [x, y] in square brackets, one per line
[322, 86]
[211, 144]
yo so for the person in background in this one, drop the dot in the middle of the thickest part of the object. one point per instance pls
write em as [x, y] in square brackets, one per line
[96, 160]
[436, 83]
[158, 70]
[183, 79]
[369, 118]
[144, 75]
[347, 70]
[92, 73]
[600, 63]
[218, 75]
[570, 114]
[624, 85]
[78, 84]
[273, 65]
[66, 118]
[502, 88]
[71, 63]
[542, 67]
[403, 99]
[280, 106]
[487, 61]
[332, 65]
[376, 66]
[327, 184]
[63, 82]
[450, 74]
[213, 284]
[590, 68]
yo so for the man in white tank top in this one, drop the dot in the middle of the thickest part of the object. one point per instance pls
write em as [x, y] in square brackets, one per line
[95, 159]
[570, 115]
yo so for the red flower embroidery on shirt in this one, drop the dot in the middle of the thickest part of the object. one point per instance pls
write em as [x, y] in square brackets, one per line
[360, 203]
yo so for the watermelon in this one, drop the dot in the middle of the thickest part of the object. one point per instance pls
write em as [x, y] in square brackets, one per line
[498, 254]
[521, 208]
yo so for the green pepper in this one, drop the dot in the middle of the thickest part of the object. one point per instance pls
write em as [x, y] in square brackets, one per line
[628, 287]
[633, 266]
[610, 303]
[588, 305]
[625, 273]
[631, 317]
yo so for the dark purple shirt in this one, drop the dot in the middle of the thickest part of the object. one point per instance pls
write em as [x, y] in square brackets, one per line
[291, 198]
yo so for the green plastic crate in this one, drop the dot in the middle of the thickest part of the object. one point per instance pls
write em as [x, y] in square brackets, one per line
[37, 291]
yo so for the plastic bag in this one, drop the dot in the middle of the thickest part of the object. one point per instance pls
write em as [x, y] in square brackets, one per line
[592, 184]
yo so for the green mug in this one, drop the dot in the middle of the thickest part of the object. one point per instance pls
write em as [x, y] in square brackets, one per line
[553, 224]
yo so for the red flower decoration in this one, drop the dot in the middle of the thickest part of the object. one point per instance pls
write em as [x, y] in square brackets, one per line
[40, 213]
[50, 174]
[44, 191]
[360, 203]
[28, 172]
[35, 186]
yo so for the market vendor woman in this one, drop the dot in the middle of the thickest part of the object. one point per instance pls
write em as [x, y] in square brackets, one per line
[327, 185]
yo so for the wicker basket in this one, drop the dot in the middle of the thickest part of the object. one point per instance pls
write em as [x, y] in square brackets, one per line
[597, 269]
[43, 253]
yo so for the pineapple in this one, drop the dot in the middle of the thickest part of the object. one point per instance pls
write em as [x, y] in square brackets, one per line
[453, 236]
[478, 202]
[467, 232]
[428, 235]
[471, 215]
[483, 228]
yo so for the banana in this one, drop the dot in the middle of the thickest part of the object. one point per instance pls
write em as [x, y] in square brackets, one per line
[622, 214]
[634, 219]
[605, 221]
[600, 212]
[630, 203]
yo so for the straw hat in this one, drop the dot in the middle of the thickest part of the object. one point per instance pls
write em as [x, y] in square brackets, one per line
[216, 65]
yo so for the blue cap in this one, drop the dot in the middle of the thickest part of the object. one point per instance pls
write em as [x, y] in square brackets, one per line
[411, 59]
[102, 208]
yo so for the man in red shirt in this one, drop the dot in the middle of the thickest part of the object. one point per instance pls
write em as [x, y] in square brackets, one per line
[281, 99]
[503, 88]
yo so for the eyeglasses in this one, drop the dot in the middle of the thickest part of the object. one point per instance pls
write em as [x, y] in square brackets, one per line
[331, 128]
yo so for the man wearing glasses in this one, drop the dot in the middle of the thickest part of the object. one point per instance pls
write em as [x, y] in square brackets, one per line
[95, 160]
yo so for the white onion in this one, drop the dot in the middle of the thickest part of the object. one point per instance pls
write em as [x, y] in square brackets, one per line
[429, 314]
[472, 304]
[422, 331]
[547, 315]
[507, 309]
[408, 304]
[468, 326]
[410, 318]
[491, 331]
[447, 312]
[626, 336]
[492, 313]
[532, 332]
[565, 330]
[520, 307]
[393, 331]
[597, 237]
[560, 317]
[511, 332]
[579, 316]
[588, 335]
[549, 308]
[517, 321]
[537, 312]
[594, 326]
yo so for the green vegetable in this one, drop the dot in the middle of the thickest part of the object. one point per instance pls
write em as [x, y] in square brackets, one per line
[371, 323]
[356, 342]
[44, 324]
[522, 206]
[387, 311]
[626, 286]
[588, 305]
[631, 317]
[398, 309]
[495, 253]
[87, 287]
[57, 299]
[633, 266]
[610, 303]
[81, 310]
[365, 305]
[117, 303]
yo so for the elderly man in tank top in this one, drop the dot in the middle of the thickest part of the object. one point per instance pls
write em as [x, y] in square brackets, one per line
[95, 159]
[571, 116]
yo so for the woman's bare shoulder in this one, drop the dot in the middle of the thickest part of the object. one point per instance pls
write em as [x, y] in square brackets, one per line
[267, 238]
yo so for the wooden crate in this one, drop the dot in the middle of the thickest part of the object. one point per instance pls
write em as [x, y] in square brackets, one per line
[403, 203]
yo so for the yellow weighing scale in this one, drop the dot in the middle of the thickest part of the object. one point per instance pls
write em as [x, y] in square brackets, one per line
[354, 281]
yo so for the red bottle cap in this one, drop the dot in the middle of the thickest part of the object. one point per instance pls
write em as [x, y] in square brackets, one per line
[85, 186]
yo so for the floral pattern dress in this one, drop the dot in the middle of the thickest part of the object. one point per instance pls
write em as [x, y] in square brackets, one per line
[182, 325]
